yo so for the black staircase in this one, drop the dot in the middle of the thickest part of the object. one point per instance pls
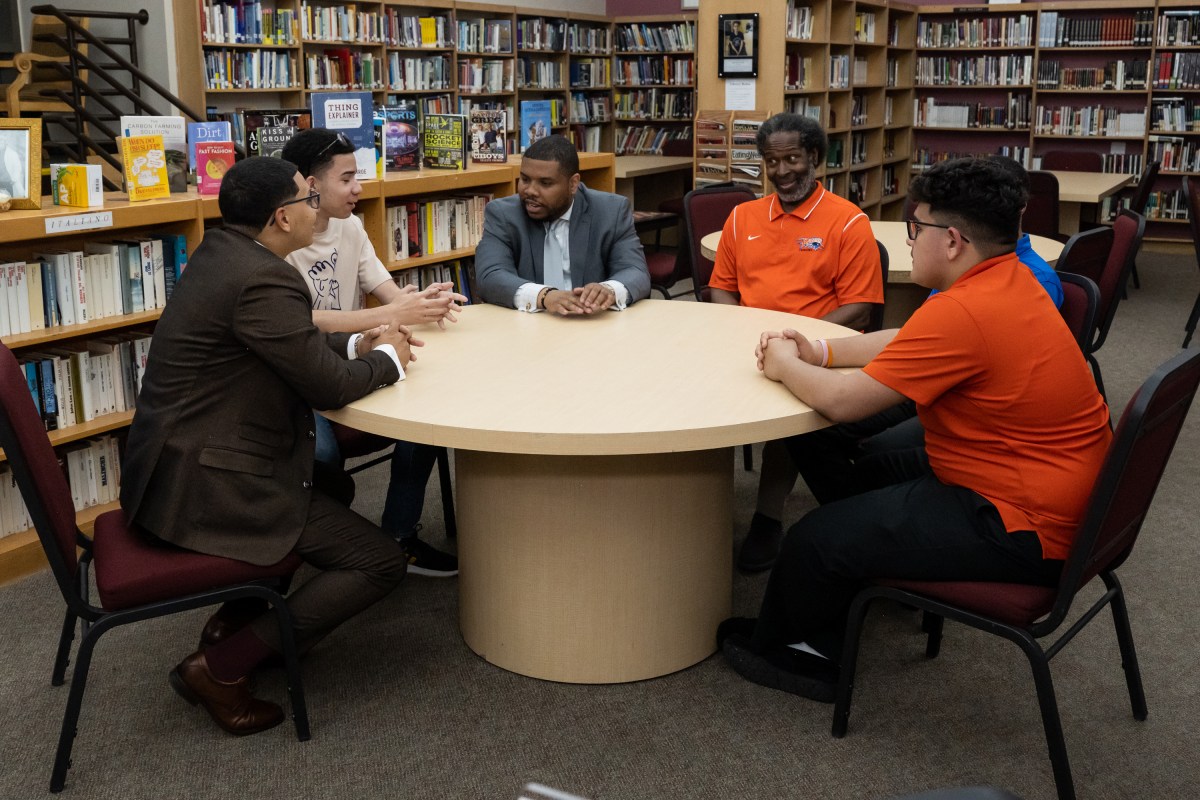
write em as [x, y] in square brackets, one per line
[98, 75]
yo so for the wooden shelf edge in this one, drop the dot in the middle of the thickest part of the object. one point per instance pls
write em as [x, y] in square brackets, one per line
[21, 553]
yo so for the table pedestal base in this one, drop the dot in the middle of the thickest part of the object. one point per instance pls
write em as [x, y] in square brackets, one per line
[594, 569]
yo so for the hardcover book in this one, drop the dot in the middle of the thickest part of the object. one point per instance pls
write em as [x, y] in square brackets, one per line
[351, 113]
[488, 135]
[198, 132]
[174, 135]
[273, 138]
[444, 141]
[145, 167]
[535, 121]
[292, 119]
[401, 138]
[213, 160]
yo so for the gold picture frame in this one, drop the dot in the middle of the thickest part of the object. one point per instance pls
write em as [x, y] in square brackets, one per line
[21, 149]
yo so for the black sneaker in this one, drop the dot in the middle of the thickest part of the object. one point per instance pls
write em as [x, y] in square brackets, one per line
[424, 559]
[783, 668]
[761, 547]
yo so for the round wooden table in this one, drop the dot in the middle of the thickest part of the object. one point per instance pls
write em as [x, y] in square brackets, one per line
[594, 475]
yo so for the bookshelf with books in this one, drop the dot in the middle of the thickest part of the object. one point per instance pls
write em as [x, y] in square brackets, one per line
[102, 404]
[1174, 124]
[897, 110]
[486, 59]
[866, 23]
[420, 55]
[589, 75]
[654, 82]
[542, 79]
[250, 53]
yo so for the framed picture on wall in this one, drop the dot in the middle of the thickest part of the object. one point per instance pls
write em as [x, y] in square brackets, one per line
[21, 161]
[738, 46]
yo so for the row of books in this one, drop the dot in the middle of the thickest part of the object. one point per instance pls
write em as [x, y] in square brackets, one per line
[586, 138]
[81, 381]
[535, 73]
[406, 30]
[925, 157]
[342, 24]
[93, 472]
[663, 69]
[985, 70]
[1014, 114]
[250, 69]
[583, 38]
[981, 31]
[482, 35]
[1177, 27]
[1094, 120]
[807, 107]
[345, 69]
[799, 23]
[1177, 71]
[644, 140]
[591, 73]
[542, 34]
[246, 23]
[459, 272]
[798, 71]
[643, 37]
[1134, 29]
[409, 73]
[428, 227]
[1119, 75]
[864, 26]
[840, 71]
[1174, 114]
[105, 279]
[653, 104]
[1175, 154]
[587, 109]
[485, 75]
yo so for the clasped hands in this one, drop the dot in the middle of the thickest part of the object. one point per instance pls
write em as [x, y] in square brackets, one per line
[437, 302]
[583, 300]
[398, 337]
[776, 349]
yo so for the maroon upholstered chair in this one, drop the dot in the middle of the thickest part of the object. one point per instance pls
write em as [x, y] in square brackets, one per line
[1081, 298]
[1191, 190]
[1073, 161]
[705, 211]
[1107, 260]
[1023, 614]
[876, 321]
[135, 577]
[1041, 212]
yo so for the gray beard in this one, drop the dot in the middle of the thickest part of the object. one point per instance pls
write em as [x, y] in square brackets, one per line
[803, 189]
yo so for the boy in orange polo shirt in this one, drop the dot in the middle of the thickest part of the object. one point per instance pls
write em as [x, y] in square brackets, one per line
[802, 250]
[1015, 432]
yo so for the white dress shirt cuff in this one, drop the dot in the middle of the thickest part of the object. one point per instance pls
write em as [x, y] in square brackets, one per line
[352, 352]
[620, 291]
[526, 297]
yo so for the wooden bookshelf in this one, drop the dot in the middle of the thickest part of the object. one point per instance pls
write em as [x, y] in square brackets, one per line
[654, 82]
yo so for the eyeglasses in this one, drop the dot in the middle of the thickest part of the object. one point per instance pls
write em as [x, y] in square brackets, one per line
[313, 200]
[341, 139]
[915, 225]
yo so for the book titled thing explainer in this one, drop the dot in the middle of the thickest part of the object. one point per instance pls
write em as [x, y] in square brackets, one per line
[351, 113]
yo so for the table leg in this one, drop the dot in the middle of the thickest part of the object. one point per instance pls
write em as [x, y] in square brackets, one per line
[594, 569]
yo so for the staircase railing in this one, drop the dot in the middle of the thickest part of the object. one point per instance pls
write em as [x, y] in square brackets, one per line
[83, 92]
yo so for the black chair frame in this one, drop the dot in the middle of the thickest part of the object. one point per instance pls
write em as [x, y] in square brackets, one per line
[1133, 426]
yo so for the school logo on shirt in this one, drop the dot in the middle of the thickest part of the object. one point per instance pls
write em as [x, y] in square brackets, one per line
[810, 243]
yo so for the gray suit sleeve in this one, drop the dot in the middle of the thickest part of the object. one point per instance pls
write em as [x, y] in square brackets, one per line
[496, 258]
[626, 260]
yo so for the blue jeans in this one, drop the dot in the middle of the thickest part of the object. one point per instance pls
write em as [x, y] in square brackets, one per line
[411, 467]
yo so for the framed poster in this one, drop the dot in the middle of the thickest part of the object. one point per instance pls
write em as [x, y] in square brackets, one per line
[738, 46]
[21, 161]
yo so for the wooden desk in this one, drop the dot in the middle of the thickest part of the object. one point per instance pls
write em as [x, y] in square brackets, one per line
[903, 295]
[596, 169]
[1077, 188]
[629, 168]
[594, 475]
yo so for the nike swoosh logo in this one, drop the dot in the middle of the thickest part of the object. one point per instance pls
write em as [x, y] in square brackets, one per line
[752, 238]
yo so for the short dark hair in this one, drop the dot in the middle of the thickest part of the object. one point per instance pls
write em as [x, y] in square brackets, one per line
[981, 196]
[812, 135]
[313, 149]
[555, 148]
[253, 188]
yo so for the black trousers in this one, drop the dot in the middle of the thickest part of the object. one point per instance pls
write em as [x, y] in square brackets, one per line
[358, 564]
[883, 514]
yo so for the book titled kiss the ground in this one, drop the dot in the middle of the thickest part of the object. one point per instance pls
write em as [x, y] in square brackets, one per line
[283, 123]
[145, 167]
[444, 141]
[351, 113]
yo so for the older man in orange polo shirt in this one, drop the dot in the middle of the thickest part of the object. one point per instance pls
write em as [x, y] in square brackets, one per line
[802, 250]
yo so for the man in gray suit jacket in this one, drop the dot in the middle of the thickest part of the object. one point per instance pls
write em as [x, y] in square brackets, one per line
[556, 245]
[220, 454]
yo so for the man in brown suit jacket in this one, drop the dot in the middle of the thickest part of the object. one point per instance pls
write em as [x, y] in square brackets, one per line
[220, 454]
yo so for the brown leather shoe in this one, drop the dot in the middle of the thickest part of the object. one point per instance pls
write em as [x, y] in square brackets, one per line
[229, 704]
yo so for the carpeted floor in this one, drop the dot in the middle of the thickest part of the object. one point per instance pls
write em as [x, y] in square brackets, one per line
[402, 709]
